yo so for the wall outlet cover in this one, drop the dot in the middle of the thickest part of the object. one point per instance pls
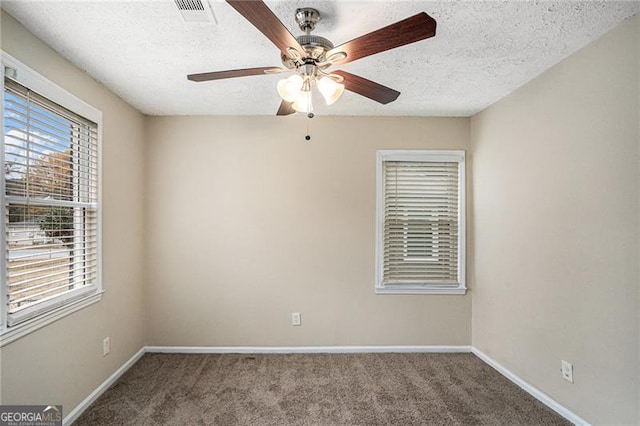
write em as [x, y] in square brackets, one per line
[296, 318]
[106, 346]
[567, 371]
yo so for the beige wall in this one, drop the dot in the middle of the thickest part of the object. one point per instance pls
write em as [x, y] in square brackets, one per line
[62, 363]
[248, 223]
[556, 185]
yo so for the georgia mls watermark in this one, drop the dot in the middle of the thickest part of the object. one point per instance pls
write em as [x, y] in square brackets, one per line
[30, 415]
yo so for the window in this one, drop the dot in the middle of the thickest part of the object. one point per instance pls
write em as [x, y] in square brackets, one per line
[420, 238]
[51, 248]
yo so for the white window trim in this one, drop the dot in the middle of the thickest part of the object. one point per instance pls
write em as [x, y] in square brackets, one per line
[62, 307]
[420, 155]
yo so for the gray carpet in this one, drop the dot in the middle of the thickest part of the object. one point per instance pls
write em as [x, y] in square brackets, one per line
[318, 389]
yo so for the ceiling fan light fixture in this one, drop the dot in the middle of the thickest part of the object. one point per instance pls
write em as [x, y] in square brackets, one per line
[289, 88]
[330, 89]
[303, 103]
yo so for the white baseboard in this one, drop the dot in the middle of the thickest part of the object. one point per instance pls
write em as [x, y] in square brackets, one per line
[305, 349]
[75, 413]
[533, 391]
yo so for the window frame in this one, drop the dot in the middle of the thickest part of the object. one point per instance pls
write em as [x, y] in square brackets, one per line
[69, 303]
[457, 156]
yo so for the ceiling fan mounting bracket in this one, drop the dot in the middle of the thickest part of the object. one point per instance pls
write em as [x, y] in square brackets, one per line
[307, 18]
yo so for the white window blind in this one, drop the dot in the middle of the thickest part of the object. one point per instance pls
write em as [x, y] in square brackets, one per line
[420, 236]
[51, 203]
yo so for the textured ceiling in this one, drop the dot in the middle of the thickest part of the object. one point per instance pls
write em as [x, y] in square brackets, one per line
[142, 50]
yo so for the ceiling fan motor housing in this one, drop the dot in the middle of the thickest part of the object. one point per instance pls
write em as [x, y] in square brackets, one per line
[315, 47]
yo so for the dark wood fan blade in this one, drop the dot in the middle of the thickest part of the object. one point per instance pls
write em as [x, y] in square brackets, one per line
[218, 75]
[410, 30]
[259, 14]
[286, 108]
[368, 88]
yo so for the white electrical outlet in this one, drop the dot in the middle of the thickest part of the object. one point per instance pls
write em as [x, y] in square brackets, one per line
[296, 318]
[106, 346]
[567, 371]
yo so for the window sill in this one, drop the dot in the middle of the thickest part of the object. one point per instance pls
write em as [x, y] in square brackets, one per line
[421, 290]
[12, 334]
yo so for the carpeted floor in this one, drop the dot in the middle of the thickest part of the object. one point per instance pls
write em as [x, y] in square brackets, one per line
[315, 389]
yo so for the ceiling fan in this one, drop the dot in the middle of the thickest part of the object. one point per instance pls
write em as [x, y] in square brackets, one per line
[309, 56]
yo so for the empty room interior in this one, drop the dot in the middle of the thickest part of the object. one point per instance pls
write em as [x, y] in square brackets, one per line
[321, 212]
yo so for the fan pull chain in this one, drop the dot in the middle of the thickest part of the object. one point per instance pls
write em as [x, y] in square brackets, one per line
[309, 117]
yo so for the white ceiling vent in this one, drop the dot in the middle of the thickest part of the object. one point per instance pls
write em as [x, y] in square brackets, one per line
[195, 11]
